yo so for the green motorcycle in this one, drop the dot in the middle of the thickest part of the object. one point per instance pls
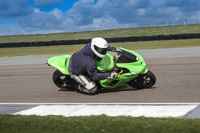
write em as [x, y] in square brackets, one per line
[129, 65]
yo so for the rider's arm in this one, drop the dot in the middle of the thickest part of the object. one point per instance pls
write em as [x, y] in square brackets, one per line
[93, 74]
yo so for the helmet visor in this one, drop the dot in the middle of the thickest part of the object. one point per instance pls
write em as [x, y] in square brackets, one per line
[102, 51]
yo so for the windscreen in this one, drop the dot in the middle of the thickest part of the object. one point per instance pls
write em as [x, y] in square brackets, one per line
[127, 57]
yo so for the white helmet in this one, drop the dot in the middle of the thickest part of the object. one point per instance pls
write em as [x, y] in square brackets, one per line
[99, 46]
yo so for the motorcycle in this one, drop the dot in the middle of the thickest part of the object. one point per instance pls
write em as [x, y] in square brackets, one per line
[129, 65]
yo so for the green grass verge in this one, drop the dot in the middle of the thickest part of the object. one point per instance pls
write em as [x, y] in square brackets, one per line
[144, 31]
[73, 48]
[97, 124]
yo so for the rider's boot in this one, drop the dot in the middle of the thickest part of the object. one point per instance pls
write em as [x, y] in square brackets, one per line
[82, 89]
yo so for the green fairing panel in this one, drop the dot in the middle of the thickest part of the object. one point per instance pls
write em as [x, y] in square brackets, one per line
[123, 79]
[138, 67]
[105, 64]
[135, 68]
[60, 62]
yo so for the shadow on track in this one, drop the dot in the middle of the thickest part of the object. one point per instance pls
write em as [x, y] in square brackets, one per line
[120, 90]
[102, 91]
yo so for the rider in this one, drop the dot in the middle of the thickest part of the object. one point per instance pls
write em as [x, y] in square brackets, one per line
[82, 66]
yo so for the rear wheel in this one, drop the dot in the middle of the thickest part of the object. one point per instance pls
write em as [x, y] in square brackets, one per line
[146, 80]
[63, 81]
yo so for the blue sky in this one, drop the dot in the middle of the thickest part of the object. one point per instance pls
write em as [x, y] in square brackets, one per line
[39, 16]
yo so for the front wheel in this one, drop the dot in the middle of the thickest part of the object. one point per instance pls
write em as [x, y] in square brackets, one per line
[146, 80]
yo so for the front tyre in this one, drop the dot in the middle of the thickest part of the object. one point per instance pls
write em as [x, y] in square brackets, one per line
[146, 80]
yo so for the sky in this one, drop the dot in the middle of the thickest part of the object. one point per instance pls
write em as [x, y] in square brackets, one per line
[46, 16]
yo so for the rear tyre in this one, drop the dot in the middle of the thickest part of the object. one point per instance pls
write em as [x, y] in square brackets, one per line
[64, 82]
[146, 80]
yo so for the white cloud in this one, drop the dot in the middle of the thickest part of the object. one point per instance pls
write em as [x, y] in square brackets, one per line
[196, 17]
[36, 10]
[92, 13]
[7, 29]
[47, 3]
[11, 8]
[141, 12]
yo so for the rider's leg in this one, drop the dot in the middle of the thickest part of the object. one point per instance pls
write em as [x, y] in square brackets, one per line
[85, 84]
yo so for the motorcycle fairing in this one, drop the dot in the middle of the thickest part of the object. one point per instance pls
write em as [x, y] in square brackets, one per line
[135, 68]
[106, 64]
[60, 62]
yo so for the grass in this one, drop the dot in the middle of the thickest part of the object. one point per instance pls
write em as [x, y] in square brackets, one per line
[97, 124]
[144, 31]
[73, 48]
[39, 50]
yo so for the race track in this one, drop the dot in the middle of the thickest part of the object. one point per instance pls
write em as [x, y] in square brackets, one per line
[178, 81]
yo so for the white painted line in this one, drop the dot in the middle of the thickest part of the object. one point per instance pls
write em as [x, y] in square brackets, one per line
[162, 111]
[106, 110]
[110, 110]
[44, 110]
[99, 103]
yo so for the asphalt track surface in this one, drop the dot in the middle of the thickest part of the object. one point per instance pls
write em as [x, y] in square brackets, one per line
[178, 81]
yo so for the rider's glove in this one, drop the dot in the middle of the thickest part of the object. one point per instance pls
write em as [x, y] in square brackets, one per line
[113, 75]
[118, 50]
